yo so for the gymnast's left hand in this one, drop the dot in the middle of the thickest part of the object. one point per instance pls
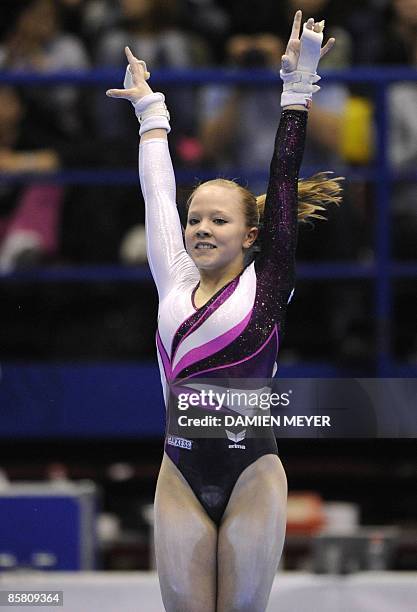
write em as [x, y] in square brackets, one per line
[292, 52]
[135, 83]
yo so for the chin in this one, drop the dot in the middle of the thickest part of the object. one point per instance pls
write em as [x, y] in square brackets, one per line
[206, 265]
[200, 263]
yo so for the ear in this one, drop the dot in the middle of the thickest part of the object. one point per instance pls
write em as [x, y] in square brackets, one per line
[250, 237]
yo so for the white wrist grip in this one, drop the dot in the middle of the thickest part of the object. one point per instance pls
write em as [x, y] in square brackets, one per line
[152, 113]
[298, 87]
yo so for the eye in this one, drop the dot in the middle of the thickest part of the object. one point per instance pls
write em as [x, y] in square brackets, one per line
[219, 221]
[192, 221]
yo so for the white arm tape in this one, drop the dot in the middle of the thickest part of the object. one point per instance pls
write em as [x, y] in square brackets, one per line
[310, 50]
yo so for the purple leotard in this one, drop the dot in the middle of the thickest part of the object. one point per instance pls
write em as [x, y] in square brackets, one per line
[236, 334]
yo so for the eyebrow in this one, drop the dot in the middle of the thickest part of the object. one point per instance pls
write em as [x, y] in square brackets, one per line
[214, 212]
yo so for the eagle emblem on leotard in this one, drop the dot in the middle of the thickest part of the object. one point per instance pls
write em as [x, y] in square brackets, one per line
[238, 437]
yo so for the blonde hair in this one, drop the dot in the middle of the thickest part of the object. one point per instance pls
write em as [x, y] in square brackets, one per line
[314, 194]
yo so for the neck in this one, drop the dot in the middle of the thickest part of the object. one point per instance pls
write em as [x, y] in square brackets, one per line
[213, 280]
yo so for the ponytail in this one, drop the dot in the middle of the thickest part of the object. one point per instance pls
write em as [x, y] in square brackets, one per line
[314, 194]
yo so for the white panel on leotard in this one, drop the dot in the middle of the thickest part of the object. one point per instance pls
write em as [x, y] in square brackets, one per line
[227, 316]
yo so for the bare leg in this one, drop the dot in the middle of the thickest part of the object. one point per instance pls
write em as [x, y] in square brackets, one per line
[185, 545]
[251, 537]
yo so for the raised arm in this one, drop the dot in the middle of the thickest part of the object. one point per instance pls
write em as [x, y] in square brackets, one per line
[275, 264]
[167, 257]
[168, 260]
[278, 237]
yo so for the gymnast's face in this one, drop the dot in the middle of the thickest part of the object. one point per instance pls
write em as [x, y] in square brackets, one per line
[216, 234]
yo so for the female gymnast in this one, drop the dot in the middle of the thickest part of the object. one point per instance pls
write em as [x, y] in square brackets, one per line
[220, 508]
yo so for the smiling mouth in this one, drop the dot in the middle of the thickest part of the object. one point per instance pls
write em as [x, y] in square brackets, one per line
[204, 246]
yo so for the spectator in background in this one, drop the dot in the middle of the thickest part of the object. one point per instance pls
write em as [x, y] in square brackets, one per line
[34, 41]
[265, 16]
[402, 100]
[42, 222]
[89, 19]
[45, 221]
[210, 20]
[151, 29]
[71, 13]
[399, 33]
[401, 48]
[29, 214]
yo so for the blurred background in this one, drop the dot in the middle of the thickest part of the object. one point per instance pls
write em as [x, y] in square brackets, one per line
[81, 407]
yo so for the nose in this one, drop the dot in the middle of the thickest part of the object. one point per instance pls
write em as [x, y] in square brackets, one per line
[201, 232]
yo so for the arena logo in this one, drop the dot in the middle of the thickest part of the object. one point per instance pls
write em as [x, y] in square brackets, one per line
[236, 438]
[180, 442]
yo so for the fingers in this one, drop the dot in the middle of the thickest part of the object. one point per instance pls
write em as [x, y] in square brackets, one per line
[146, 74]
[329, 45]
[296, 26]
[286, 63]
[319, 27]
[137, 67]
[121, 93]
[135, 77]
[130, 57]
[315, 26]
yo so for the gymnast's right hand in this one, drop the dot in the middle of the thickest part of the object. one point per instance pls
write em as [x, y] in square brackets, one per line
[135, 83]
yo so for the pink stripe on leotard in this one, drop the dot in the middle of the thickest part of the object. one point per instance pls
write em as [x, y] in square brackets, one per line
[213, 346]
[234, 363]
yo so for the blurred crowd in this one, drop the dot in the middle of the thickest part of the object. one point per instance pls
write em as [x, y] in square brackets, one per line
[219, 128]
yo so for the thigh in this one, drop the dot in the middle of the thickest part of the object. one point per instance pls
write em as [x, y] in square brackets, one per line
[251, 537]
[185, 545]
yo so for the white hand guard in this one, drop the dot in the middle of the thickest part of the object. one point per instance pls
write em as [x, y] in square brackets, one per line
[150, 110]
[299, 84]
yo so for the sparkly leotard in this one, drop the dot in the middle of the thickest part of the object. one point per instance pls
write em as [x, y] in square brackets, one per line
[236, 333]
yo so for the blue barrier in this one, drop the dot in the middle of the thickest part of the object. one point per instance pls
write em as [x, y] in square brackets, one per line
[384, 269]
[102, 176]
[324, 270]
[260, 76]
[80, 400]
